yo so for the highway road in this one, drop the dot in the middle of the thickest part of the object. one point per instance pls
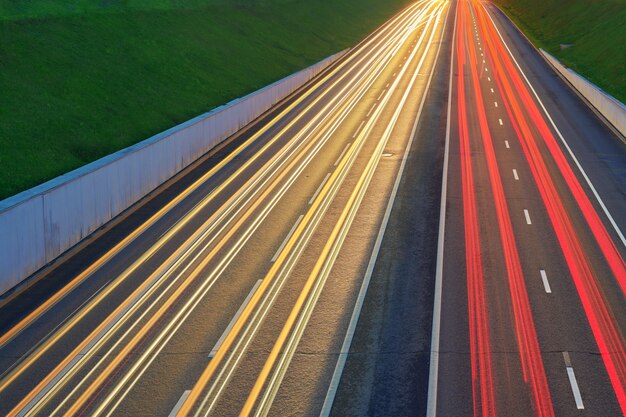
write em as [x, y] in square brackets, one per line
[533, 249]
[433, 226]
[198, 300]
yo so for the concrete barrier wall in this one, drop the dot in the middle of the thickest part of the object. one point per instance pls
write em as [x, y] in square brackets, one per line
[611, 108]
[38, 225]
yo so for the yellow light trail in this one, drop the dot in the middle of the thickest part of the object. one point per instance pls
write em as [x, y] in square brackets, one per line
[192, 276]
[236, 329]
[101, 296]
[99, 328]
[325, 260]
[59, 295]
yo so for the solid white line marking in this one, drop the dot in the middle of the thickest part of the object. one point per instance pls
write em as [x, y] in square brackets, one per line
[506, 143]
[234, 319]
[500, 121]
[546, 283]
[358, 129]
[345, 348]
[515, 174]
[371, 110]
[293, 228]
[347, 342]
[569, 150]
[527, 215]
[179, 404]
[572, 381]
[381, 94]
[342, 154]
[319, 188]
[495, 103]
[433, 374]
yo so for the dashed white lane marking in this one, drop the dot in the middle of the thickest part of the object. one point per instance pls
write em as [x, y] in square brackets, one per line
[544, 279]
[572, 381]
[370, 111]
[495, 103]
[527, 215]
[569, 150]
[515, 174]
[381, 94]
[237, 314]
[488, 78]
[179, 404]
[319, 188]
[394, 74]
[492, 90]
[282, 245]
[486, 69]
[387, 86]
[358, 129]
[342, 153]
[500, 121]
[506, 143]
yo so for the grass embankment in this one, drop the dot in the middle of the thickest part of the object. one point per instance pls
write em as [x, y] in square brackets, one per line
[84, 78]
[596, 28]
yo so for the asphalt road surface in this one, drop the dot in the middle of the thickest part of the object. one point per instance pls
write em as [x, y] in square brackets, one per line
[532, 307]
[430, 227]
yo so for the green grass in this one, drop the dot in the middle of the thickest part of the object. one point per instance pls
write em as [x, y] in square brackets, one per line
[596, 28]
[84, 78]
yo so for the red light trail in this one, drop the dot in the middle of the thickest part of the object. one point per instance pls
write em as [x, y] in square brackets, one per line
[480, 349]
[601, 320]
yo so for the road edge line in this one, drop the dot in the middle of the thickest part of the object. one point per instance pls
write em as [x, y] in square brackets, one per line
[433, 374]
[345, 348]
